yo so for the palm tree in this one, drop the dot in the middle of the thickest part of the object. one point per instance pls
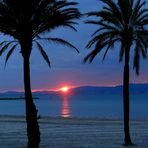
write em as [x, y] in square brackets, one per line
[123, 21]
[25, 21]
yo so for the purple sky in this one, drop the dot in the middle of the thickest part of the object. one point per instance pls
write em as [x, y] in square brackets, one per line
[67, 66]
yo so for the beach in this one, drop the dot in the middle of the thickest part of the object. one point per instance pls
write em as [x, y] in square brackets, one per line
[57, 132]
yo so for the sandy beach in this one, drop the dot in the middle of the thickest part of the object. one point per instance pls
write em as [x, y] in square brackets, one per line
[72, 132]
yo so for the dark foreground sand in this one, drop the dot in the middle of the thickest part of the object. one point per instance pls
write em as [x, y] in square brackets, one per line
[72, 133]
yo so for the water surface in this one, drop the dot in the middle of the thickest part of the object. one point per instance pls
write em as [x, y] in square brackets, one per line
[100, 105]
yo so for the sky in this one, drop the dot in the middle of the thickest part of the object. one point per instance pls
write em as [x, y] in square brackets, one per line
[67, 67]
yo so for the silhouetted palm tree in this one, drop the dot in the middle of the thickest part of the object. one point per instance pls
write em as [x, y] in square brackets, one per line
[25, 20]
[124, 22]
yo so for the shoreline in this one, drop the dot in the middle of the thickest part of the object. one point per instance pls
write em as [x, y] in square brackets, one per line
[21, 117]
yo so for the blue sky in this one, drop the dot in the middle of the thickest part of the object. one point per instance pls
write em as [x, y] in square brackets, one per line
[67, 66]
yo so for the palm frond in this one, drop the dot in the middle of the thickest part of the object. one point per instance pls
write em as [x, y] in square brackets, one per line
[136, 59]
[111, 5]
[3, 42]
[61, 4]
[10, 53]
[43, 53]
[56, 14]
[59, 41]
[142, 19]
[107, 17]
[137, 9]
[102, 37]
[110, 44]
[5, 47]
[90, 57]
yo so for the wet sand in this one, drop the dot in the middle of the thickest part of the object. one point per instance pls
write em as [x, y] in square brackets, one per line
[72, 132]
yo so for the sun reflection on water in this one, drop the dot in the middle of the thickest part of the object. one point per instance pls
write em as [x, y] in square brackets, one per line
[65, 112]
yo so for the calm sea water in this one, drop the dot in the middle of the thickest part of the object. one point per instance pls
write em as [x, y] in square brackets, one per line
[101, 106]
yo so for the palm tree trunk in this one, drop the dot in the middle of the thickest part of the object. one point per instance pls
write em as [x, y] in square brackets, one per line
[126, 104]
[31, 112]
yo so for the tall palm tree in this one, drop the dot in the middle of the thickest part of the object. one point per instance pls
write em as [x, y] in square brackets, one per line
[122, 21]
[25, 21]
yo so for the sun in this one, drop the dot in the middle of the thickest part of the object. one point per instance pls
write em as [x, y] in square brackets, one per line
[64, 89]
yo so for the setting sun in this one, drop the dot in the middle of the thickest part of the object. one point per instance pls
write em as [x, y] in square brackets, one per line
[64, 89]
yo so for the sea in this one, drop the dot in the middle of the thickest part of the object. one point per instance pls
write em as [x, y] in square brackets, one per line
[80, 105]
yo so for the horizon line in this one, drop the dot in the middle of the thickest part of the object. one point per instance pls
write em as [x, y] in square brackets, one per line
[73, 87]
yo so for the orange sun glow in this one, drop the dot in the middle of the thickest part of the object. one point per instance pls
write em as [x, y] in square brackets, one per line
[64, 89]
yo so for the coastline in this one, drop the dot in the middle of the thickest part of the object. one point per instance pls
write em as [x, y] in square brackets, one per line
[59, 118]
[59, 132]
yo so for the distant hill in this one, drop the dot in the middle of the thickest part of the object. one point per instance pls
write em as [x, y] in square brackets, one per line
[134, 89]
